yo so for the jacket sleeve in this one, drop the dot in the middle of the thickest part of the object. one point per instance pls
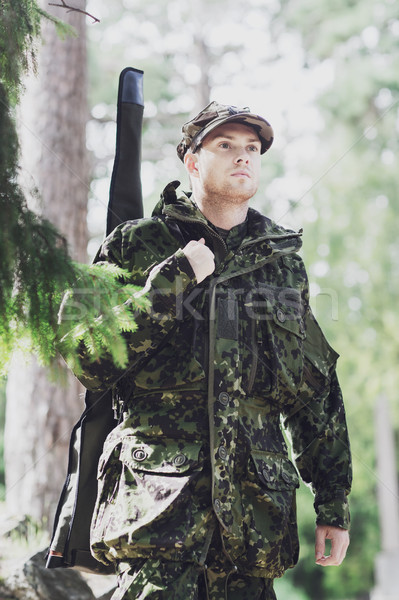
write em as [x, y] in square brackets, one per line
[165, 284]
[318, 430]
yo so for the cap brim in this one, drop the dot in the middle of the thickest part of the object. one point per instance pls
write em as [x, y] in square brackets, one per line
[261, 126]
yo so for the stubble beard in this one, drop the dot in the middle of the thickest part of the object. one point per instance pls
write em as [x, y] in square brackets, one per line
[226, 195]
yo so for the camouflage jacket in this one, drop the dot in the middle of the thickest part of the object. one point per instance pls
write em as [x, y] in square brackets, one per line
[214, 370]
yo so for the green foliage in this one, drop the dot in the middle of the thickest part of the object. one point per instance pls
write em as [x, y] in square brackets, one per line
[286, 589]
[19, 29]
[97, 310]
[35, 267]
[34, 263]
[64, 30]
[19, 32]
[35, 270]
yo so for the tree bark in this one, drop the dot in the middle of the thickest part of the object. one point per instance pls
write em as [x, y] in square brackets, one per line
[203, 88]
[40, 414]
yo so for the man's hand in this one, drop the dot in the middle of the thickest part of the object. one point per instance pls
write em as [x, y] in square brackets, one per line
[201, 258]
[339, 545]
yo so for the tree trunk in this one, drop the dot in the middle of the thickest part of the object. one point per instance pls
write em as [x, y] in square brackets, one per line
[40, 414]
[202, 90]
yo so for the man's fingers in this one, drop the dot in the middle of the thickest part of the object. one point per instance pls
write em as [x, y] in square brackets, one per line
[201, 258]
[339, 545]
[195, 242]
[320, 545]
[338, 551]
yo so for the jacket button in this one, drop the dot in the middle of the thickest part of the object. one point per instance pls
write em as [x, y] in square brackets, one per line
[139, 454]
[218, 505]
[266, 475]
[302, 327]
[281, 316]
[179, 460]
[222, 452]
[224, 398]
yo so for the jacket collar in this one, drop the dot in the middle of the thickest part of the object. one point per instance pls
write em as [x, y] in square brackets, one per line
[260, 228]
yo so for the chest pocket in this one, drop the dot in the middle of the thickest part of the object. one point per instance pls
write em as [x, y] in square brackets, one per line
[286, 334]
[278, 334]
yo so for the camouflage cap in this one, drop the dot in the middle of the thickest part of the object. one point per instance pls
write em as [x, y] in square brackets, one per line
[216, 114]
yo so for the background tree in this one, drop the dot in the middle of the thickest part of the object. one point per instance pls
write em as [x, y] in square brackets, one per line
[53, 121]
[35, 267]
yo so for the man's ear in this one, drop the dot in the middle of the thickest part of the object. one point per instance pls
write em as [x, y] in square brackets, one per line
[191, 164]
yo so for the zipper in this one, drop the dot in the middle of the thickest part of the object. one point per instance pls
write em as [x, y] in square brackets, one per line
[255, 354]
[211, 381]
[205, 225]
[211, 369]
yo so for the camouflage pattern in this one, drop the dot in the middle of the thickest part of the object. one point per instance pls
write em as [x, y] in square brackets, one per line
[214, 369]
[218, 579]
[214, 115]
[153, 579]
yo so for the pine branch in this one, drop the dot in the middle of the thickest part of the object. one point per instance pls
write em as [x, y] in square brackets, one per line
[73, 9]
[35, 267]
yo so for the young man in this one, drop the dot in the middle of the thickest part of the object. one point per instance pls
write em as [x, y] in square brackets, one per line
[196, 491]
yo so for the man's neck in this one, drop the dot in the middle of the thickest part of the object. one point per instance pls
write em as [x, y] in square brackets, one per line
[221, 216]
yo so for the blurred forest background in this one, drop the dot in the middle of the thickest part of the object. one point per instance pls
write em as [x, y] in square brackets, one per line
[325, 74]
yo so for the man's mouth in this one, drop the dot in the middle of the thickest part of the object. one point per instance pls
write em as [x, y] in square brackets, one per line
[241, 174]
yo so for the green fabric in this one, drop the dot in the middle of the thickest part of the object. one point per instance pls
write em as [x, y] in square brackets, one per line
[233, 237]
[213, 368]
[216, 579]
[157, 580]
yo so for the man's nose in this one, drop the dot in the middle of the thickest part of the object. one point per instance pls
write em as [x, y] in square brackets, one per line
[242, 156]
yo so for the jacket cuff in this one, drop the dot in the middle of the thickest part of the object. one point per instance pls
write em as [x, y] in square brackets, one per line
[333, 512]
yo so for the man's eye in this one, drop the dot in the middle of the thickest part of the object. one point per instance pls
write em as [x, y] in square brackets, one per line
[253, 148]
[225, 145]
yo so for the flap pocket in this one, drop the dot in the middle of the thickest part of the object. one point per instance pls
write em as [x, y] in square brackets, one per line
[284, 308]
[163, 456]
[289, 318]
[275, 471]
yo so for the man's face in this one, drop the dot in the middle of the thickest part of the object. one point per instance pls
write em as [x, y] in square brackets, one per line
[227, 167]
